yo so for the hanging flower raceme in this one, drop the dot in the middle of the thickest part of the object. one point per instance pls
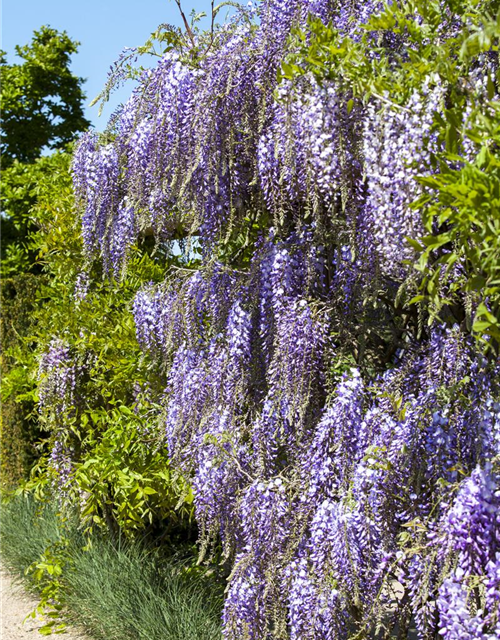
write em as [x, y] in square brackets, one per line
[460, 613]
[61, 462]
[57, 374]
[397, 141]
[59, 377]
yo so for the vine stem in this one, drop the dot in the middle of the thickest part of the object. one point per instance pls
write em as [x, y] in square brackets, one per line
[189, 31]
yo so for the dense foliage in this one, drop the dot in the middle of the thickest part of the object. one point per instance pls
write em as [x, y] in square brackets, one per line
[19, 426]
[321, 361]
[42, 107]
[89, 382]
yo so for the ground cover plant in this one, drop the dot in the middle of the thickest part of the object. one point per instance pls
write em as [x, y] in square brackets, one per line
[129, 593]
[319, 378]
[20, 520]
[113, 590]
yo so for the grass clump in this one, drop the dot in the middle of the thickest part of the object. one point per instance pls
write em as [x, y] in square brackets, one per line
[115, 591]
[27, 528]
[129, 593]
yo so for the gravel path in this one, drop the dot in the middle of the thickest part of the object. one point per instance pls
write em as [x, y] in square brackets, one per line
[16, 604]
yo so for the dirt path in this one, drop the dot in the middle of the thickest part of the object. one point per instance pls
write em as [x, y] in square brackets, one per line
[15, 606]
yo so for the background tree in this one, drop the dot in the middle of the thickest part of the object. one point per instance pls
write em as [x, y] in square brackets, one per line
[42, 100]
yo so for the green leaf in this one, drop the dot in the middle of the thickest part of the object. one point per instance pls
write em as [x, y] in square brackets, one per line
[417, 299]
[476, 283]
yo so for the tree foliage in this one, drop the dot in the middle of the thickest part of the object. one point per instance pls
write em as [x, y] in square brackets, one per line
[41, 99]
[42, 109]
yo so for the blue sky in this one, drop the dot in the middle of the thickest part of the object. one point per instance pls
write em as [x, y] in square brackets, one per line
[103, 27]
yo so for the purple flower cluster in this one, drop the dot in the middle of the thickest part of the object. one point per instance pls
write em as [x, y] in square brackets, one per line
[312, 498]
[61, 463]
[397, 142]
[57, 376]
[460, 616]
[299, 151]
[472, 525]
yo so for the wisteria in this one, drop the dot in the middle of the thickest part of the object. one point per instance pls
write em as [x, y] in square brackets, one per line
[395, 142]
[57, 375]
[394, 462]
[343, 454]
[61, 463]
